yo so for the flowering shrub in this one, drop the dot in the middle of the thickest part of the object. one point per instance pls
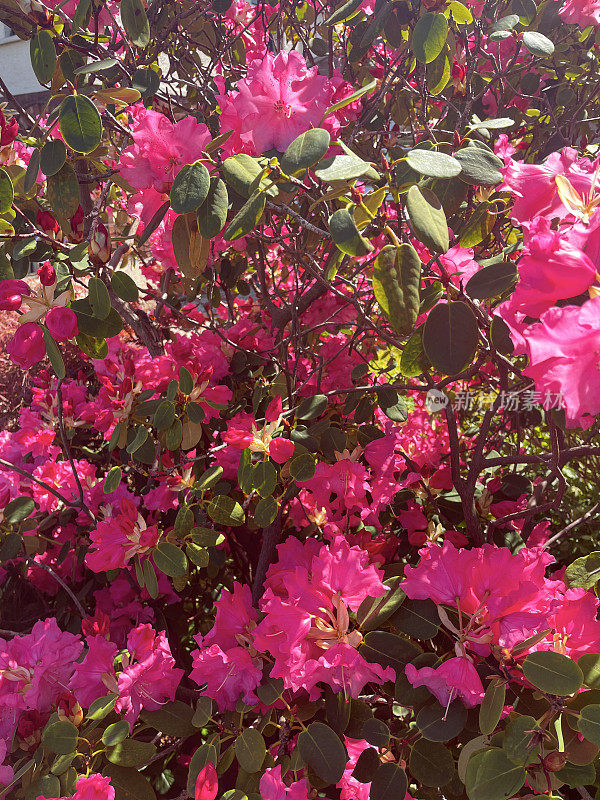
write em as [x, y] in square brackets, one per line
[299, 482]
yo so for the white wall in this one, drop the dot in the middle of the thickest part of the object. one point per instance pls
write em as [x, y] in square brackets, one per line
[15, 64]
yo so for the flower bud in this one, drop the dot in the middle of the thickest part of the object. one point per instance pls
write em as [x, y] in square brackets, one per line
[11, 294]
[62, 323]
[8, 130]
[69, 709]
[99, 247]
[554, 761]
[47, 274]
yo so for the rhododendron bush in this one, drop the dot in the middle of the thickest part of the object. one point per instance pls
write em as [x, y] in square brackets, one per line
[300, 386]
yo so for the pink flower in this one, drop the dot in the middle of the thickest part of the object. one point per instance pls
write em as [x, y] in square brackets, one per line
[27, 346]
[272, 786]
[6, 771]
[11, 294]
[161, 148]
[456, 677]
[350, 788]
[207, 783]
[564, 358]
[279, 99]
[281, 450]
[227, 675]
[551, 269]
[62, 323]
[120, 538]
[151, 678]
[94, 677]
[9, 130]
[580, 12]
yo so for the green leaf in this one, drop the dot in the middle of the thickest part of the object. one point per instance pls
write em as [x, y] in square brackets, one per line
[173, 719]
[589, 664]
[31, 175]
[575, 775]
[10, 546]
[135, 22]
[374, 611]
[450, 337]
[99, 298]
[367, 764]
[312, 407]
[492, 281]
[190, 188]
[519, 744]
[588, 723]
[150, 579]
[131, 753]
[62, 191]
[479, 167]
[538, 44]
[429, 37]
[491, 707]
[343, 13]
[52, 156]
[346, 235]
[224, 510]
[584, 572]
[101, 707]
[376, 732]
[240, 172]
[418, 619]
[115, 733]
[389, 781]
[440, 723]
[396, 284]
[205, 754]
[203, 712]
[366, 89]
[7, 193]
[553, 673]
[43, 56]
[46, 786]
[250, 750]
[80, 14]
[247, 217]
[413, 358]
[305, 151]
[427, 219]
[60, 737]
[439, 71]
[323, 751]
[124, 286]
[54, 354]
[157, 218]
[302, 467]
[492, 776]
[478, 226]
[164, 416]
[170, 559]
[19, 509]
[92, 326]
[128, 783]
[209, 478]
[433, 163]
[186, 382]
[212, 214]
[141, 434]
[265, 512]
[80, 123]
[431, 763]
[112, 480]
[388, 650]
[342, 168]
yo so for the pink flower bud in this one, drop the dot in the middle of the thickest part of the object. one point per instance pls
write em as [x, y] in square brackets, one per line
[99, 247]
[274, 409]
[46, 222]
[62, 323]
[207, 783]
[47, 274]
[11, 294]
[9, 130]
[281, 450]
[27, 346]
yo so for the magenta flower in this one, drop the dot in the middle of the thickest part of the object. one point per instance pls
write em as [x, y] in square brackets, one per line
[94, 677]
[272, 786]
[207, 783]
[62, 323]
[455, 678]
[27, 346]
[118, 539]
[160, 149]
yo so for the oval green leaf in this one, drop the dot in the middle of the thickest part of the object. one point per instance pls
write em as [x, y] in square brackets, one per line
[450, 337]
[80, 123]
